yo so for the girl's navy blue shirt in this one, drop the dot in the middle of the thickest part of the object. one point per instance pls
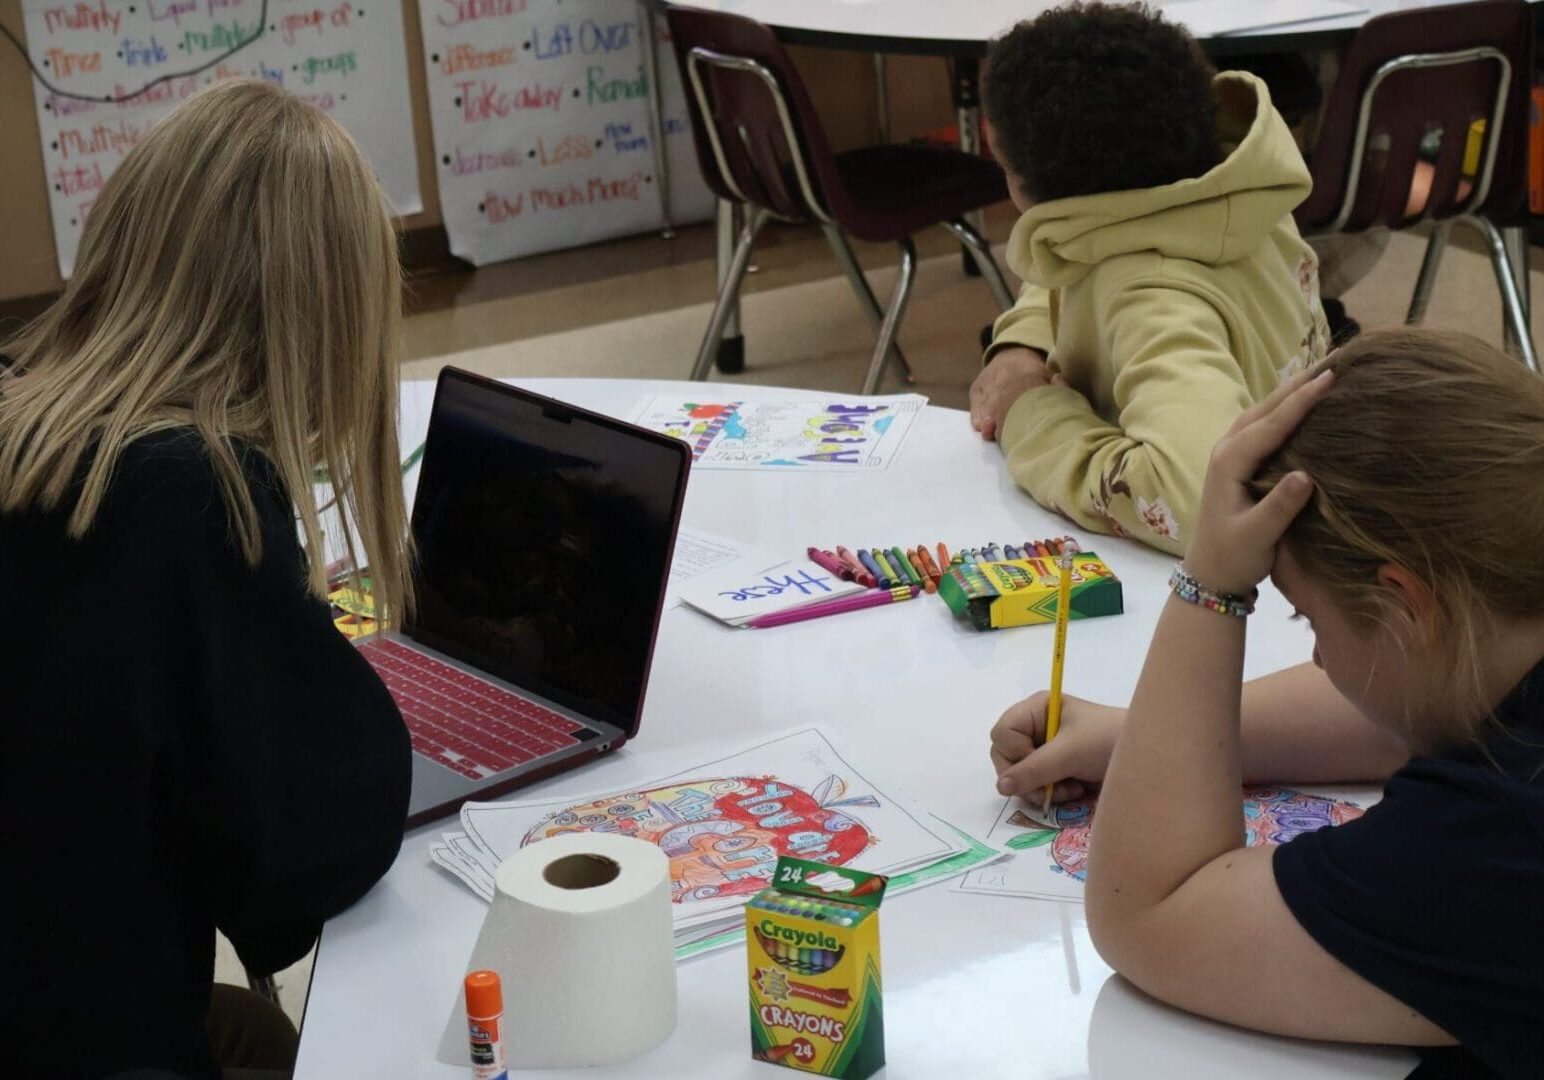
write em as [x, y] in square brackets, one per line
[1436, 894]
[188, 743]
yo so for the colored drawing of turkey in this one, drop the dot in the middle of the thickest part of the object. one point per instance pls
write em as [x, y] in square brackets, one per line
[1271, 816]
[723, 836]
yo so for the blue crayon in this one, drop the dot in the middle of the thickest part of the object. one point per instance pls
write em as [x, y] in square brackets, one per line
[992, 553]
[870, 565]
[889, 580]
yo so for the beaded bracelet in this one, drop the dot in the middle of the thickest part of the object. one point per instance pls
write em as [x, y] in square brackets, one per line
[1192, 591]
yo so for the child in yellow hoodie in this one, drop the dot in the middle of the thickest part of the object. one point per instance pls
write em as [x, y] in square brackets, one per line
[1166, 287]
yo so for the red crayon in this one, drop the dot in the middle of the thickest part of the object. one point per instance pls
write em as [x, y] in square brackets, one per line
[827, 561]
[860, 573]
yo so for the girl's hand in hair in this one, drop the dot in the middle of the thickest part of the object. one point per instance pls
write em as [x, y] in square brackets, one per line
[1236, 536]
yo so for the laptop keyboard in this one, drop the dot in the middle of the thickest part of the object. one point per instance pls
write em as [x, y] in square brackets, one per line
[465, 724]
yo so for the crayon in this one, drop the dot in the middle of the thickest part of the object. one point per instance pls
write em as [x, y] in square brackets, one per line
[887, 572]
[935, 575]
[830, 563]
[857, 602]
[914, 555]
[1043, 550]
[872, 567]
[1010, 552]
[943, 555]
[992, 553]
[903, 564]
[860, 572]
[898, 576]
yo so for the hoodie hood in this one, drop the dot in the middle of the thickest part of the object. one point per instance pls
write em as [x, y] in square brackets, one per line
[1214, 219]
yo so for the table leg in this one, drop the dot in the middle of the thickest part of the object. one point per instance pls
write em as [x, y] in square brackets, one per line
[882, 96]
[656, 115]
[967, 118]
[728, 217]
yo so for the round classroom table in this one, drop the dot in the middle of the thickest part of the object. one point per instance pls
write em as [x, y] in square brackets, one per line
[963, 27]
[976, 986]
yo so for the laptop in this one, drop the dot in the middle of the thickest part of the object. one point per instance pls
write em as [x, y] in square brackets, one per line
[543, 537]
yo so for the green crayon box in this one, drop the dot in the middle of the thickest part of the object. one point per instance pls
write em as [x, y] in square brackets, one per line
[812, 950]
[1021, 592]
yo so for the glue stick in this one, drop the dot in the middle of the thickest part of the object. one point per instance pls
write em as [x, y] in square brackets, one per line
[484, 1014]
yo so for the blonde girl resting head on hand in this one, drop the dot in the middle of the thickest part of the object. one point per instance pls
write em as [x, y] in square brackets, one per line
[1395, 496]
[172, 689]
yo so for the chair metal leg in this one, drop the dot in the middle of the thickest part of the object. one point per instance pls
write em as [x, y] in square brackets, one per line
[1428, 276]
[893, 316]
[860, 285]
[1514, 311]
[882, 96]
[656, 115]
[967, 118]
[1516, 239]
[265, 985]
[981, 251]
[728, 302]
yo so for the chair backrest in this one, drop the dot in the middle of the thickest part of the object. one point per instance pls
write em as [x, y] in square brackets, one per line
[1427, 75]
[757, 136]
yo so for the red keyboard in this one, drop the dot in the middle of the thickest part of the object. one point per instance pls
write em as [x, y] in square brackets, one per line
[465, 724]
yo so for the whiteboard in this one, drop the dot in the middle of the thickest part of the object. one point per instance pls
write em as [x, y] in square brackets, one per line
[542, 115]
[345, 56]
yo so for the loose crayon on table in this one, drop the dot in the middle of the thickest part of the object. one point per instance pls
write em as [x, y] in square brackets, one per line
[860, 573]
[830, 563]
[934, 572]
[887, 578]
[943, 555]
[871, 567]
[915, 555]
[903, 564]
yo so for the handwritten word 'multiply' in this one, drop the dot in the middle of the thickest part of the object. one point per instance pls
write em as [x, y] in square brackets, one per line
[99, 139]
[96, 16]
[222, 36]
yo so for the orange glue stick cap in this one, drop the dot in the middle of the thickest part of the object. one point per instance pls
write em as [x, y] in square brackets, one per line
[484, 994]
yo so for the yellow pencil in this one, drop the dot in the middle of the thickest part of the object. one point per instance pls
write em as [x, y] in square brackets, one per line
[1058, 660]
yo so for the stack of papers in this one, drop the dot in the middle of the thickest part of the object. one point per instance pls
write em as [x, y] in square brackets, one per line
[740, 592]
[723, 824]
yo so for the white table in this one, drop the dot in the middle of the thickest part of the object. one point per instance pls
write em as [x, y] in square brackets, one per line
[975, 986]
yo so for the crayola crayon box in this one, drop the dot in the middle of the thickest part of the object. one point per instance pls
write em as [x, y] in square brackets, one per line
[812, 947]
[1019, 592]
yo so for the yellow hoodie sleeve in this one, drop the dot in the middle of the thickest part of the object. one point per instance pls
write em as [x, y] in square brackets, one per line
[1176, 390]
[1028, 323]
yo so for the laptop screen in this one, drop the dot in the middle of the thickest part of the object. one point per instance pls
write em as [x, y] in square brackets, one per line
[544, 536]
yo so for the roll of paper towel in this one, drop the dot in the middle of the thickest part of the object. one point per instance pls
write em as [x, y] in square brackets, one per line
[579, 923]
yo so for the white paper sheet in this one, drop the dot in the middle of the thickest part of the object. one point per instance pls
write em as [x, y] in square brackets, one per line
[1049, 864]
[832, 434]
[698, 552]
[737, 593]
[725, 821]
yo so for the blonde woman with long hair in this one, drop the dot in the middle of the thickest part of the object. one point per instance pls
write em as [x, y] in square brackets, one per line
[1396, 498]
[189, 744]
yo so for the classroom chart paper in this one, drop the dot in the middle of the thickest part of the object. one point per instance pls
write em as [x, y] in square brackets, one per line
[1050, 863]
[544, 124]
[831, 434]
[344, 56]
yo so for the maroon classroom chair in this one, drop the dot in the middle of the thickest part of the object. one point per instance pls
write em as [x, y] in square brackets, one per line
[762, 149]
[1412, 85]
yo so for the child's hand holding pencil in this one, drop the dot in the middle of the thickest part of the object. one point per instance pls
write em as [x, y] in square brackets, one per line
[1076, 761]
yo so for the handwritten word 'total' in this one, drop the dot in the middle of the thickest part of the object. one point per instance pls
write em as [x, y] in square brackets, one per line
[465, 11]
[66, 65]
[602, 89]
[118, 138]
[483, 100]
[96, 16]
[592, 38]
[459, 58]
[343, 63]
[292, 25]
[79, 179]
